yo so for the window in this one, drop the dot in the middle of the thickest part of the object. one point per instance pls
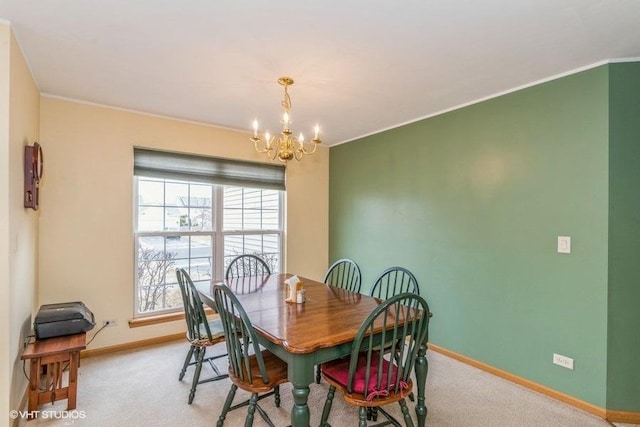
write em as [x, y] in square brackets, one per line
[252, 224]
[182, 222]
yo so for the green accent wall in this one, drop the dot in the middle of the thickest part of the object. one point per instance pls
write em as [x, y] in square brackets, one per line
[623, 370]
[472, 202]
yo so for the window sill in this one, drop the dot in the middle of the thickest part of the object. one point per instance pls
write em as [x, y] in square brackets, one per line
[162, 318]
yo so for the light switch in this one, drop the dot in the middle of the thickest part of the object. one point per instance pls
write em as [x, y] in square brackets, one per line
[564, 244]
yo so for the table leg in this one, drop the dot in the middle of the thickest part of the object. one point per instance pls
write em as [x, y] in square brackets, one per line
[301, 370]
[34, 385]
[300, 410]
[74, 361]
[421, 368]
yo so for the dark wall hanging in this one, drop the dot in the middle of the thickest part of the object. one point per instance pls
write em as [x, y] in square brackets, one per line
[33, 168]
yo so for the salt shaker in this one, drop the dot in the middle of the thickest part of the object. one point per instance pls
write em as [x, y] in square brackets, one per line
[300, 296]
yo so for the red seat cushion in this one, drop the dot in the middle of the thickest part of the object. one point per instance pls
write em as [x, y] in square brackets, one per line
[338, 371]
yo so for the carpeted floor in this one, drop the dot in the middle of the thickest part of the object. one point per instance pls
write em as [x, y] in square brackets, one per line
[141, 388]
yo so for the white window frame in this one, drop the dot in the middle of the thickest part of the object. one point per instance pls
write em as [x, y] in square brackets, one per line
[217, 235]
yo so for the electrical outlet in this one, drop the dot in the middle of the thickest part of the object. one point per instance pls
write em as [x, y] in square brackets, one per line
[110, 322]
[564, 361]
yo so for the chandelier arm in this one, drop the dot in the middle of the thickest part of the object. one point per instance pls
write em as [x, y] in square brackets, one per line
[258, 149]
[303, 150]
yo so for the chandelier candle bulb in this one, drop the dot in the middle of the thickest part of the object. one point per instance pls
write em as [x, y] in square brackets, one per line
[255, 128]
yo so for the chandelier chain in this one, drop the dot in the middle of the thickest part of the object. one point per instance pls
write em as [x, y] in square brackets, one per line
[286, 102]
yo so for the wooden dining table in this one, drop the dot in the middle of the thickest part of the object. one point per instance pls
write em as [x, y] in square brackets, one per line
[304, 335]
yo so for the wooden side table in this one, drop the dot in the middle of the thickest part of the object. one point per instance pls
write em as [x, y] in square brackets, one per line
[53, 354]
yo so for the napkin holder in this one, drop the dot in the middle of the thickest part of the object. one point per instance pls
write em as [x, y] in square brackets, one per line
[293, 287]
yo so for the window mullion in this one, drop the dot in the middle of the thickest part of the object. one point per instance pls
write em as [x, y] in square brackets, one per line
[281, 249]
[218, 247]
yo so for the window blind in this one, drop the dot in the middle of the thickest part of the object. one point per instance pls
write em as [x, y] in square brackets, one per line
[211, 170]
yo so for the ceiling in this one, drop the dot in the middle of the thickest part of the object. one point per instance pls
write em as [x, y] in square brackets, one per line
[360, 66]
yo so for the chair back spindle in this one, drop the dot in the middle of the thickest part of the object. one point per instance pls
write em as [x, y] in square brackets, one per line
[344, 274]
[247, 265]
[394, 281]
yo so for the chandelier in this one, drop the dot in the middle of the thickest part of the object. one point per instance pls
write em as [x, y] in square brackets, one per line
[285, 147]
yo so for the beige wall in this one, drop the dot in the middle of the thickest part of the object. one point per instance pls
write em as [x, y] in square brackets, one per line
[20, 238]
[5, 372]
[86, 226]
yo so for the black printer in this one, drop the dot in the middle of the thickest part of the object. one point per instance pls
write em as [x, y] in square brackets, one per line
[67, 318]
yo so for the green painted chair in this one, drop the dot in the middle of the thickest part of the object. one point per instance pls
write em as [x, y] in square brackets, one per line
[201, 334]
[369, 379]
[247, 265]
[345, 274]
[252, 369]
[394, 281]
